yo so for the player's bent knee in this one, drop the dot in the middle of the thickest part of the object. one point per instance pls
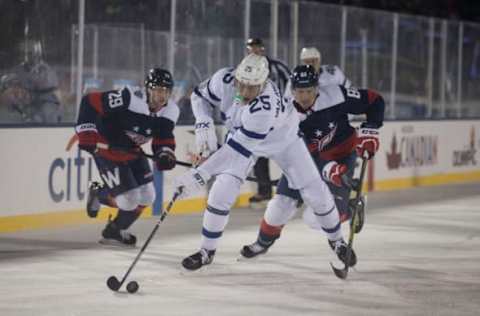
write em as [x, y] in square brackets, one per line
[224, 191]
[318, 196]
[128, 200]
[311, 219]
[280, 210]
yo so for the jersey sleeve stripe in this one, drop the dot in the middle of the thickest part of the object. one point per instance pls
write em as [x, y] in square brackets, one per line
[211, 94]
[239, 148]
[95, 100]
[252, 134]
[199, 94]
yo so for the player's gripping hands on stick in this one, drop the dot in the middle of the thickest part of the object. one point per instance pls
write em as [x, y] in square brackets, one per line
[367, 142]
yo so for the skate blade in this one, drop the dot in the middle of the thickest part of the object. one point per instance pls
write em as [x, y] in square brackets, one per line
[115, 243]
[202, 270]
[242, 258]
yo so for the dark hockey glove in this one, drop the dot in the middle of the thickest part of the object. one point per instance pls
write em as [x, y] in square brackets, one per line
[88, 140]
[165, 159]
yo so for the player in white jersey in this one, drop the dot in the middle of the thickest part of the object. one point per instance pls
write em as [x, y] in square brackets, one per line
[260, 126]
[327, 74]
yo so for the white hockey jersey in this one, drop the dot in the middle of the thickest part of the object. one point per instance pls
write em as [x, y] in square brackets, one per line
[261, 128]
[332, 75]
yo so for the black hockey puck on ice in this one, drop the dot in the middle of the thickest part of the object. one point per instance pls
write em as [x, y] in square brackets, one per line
[132, 287]
[113, 283]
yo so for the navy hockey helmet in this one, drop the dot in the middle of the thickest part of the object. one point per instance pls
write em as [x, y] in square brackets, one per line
[158, 77]
[304, 76]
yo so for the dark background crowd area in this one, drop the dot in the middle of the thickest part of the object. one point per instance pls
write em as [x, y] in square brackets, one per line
[156, 15]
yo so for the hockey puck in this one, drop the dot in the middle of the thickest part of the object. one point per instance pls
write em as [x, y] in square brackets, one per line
[113, 283]
[132, 287]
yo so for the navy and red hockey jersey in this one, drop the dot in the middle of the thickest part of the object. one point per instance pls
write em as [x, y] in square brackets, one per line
[123, 120]
[326, 126]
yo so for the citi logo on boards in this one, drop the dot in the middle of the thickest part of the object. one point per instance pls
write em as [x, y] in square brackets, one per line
[68, 176]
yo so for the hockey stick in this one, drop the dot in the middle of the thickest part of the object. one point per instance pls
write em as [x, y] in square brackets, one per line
[178, 162]
[342, 273]
[113, 283]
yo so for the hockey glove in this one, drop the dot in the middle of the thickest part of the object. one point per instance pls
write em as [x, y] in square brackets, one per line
[87, 137]
[205, 137]
[336, 173]
[165, 159]
[191, 182]
[367, 142]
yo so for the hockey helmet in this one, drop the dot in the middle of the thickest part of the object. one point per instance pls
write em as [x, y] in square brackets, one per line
[158, 77]
[304, 76]
[253, 70]
[310, 53]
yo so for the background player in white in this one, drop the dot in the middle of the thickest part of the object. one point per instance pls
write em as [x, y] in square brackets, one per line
[260, 125]
[327, 74]
[112, 125]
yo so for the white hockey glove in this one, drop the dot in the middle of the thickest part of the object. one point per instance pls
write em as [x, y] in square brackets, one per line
[191, 182]
[205, 137]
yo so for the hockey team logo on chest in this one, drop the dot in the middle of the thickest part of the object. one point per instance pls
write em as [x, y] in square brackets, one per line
[325, 140]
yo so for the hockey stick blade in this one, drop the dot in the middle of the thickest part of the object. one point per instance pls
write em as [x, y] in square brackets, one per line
[112, 282]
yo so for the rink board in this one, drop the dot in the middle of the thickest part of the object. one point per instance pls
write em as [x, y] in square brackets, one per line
[44, 175]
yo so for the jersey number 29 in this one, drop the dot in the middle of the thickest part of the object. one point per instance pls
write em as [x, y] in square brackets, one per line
[115, 99]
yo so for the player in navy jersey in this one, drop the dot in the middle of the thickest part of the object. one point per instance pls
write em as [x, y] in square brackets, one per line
[333, 143]
[112, 126]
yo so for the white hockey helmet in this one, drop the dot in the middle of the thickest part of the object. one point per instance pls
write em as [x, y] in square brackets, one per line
[310, 53]
[253, 70]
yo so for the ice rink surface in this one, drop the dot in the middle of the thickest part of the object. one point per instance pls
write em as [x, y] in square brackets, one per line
[419, 254]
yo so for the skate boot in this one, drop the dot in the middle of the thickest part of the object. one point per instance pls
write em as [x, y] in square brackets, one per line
[93, 202]
[360, 218]
[253, 250]
[116, 237]
[198, 259]
[340, 248]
